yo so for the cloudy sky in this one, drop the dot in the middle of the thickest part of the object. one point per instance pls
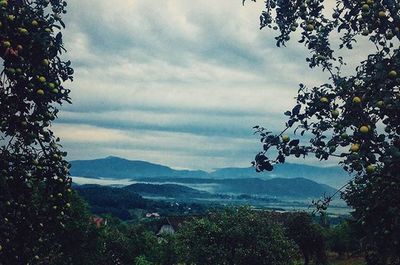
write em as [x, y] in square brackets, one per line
[179, 83]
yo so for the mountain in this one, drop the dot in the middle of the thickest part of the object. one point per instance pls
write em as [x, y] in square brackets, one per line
[166, 190]
[297, 188]
[115, 167]
[276, 187]
[236, 172]
[119, 168]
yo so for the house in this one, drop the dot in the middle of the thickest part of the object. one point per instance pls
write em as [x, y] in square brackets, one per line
[152, 215]
[169, 225]
[98, 221]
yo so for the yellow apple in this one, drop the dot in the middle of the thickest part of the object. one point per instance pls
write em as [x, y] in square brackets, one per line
[364, 129]
[355, 148]
[356, 100]
[40, 92]
[324, 100]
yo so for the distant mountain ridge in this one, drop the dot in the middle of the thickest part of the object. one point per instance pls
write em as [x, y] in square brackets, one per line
[120, 168]
[116, 167]
[166, 190]
[276, 187]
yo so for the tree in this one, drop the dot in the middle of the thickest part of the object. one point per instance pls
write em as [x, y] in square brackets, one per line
[235, 236]
[34, 183]
[353, 117]
[308, 236]
[343, 238]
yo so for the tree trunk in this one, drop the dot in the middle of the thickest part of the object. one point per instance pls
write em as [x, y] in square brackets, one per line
[306, 259]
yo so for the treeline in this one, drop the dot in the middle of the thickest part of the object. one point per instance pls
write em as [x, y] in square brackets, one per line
[128, 205]
[239, 236]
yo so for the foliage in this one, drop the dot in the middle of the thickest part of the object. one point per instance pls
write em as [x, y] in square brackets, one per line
[235, 236]
[80, 240]
[141, 260]
[34, 186]
[120, 202]
[343, 238]
[308, 236]
[352, 117]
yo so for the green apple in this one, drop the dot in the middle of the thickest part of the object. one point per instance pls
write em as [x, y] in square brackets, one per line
[380, 104]
[310, 27]
[23, 31]
[335, 113]
[285, 138]
[34, 23]
[365, 8]
[392, 74]
[389, 35]
[365, 32]
[6, 44]
[371, 168]
[42, 79]
[382, 14]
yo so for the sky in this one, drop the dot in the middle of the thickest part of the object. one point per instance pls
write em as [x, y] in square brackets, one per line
[180, 83]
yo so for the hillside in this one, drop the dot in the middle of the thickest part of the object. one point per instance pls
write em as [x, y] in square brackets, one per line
[276, 187]
[166, 190]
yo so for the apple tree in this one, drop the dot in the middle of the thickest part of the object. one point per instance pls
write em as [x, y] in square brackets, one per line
[355, 116]
[34, 182]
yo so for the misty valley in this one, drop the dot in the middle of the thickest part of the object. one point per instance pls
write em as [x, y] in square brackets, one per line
[131, 189]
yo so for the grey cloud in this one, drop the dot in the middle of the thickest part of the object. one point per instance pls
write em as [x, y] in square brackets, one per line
[194, 71]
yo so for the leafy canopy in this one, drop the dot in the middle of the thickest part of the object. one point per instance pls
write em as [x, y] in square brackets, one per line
[352, 117]
[34, 185]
